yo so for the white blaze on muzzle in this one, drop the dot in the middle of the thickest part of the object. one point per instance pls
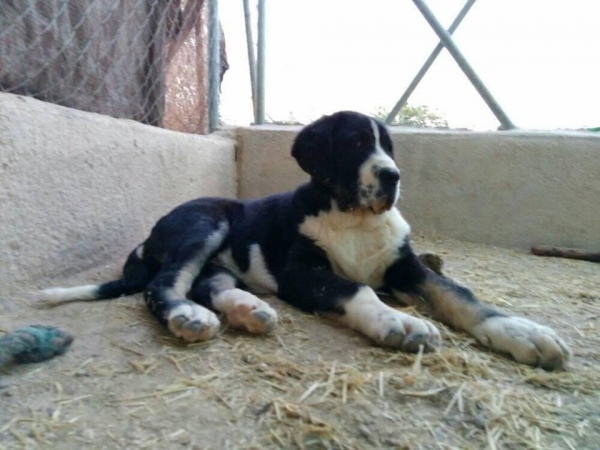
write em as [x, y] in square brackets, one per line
[370, 189]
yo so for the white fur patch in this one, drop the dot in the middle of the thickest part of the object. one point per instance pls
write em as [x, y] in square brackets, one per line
[360, 245]
[193, 322]
[192, 268]
[257, 277]
[86, 292]
[385, 325]
[222, 282]
[369, 169]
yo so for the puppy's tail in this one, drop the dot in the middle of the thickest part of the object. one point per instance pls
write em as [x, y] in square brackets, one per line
[137, 273]
[113, 289]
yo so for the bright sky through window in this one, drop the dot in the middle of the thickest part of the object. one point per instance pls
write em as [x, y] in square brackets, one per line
[539, 58]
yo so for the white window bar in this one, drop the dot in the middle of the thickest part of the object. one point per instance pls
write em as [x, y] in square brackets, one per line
[453, 49]
[432, 57]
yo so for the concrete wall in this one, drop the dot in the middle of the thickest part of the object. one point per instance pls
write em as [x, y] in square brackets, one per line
[510, 189]
[79, 189]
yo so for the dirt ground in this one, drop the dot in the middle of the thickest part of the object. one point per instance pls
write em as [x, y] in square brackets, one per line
[125, 383]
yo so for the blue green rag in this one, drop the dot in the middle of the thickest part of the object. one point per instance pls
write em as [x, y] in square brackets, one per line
[33, 343]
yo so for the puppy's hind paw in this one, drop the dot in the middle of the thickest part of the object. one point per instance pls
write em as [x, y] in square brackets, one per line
[245, 310]
[193, 322]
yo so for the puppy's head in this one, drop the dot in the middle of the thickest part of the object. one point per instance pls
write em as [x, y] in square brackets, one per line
[352, 155]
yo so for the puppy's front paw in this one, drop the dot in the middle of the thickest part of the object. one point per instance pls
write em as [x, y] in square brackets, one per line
[408, 333]
[192, 322]
[527, 342]
[388, 326]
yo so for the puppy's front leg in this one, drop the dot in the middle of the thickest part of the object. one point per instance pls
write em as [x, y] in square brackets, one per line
[387, 326]
[455, 305]
[315, 288]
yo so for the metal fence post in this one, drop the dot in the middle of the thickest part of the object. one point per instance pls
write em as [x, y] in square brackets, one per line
[260, 68]
[214, 65]
[251, 57]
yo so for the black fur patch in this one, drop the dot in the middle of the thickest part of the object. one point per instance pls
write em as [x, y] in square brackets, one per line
[407, 273]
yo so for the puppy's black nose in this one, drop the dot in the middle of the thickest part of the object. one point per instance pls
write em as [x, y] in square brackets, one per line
[389, 176]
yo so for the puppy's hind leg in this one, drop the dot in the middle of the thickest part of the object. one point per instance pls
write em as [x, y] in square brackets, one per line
[166, 295]
[218, 289]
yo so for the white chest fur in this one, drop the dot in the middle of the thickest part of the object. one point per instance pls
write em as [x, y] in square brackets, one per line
[360, 246]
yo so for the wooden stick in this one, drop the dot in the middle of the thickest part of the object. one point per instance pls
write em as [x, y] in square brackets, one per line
[570, 253]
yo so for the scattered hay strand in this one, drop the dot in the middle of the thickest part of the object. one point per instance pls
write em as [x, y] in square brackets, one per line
[309, 391]
[128, 349]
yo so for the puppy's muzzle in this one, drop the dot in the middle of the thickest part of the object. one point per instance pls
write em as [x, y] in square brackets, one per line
[389, 179]
[388, 188]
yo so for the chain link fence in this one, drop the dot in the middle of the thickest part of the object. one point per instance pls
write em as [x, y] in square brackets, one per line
[145, 60]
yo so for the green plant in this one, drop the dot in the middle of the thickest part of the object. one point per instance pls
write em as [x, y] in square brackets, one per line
[417, 116]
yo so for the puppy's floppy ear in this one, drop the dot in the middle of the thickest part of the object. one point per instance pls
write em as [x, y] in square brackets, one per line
[313, 149]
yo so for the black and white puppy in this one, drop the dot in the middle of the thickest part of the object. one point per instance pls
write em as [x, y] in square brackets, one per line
[325, 247]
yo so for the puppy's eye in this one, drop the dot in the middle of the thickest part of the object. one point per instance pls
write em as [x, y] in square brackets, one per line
[361, 142]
